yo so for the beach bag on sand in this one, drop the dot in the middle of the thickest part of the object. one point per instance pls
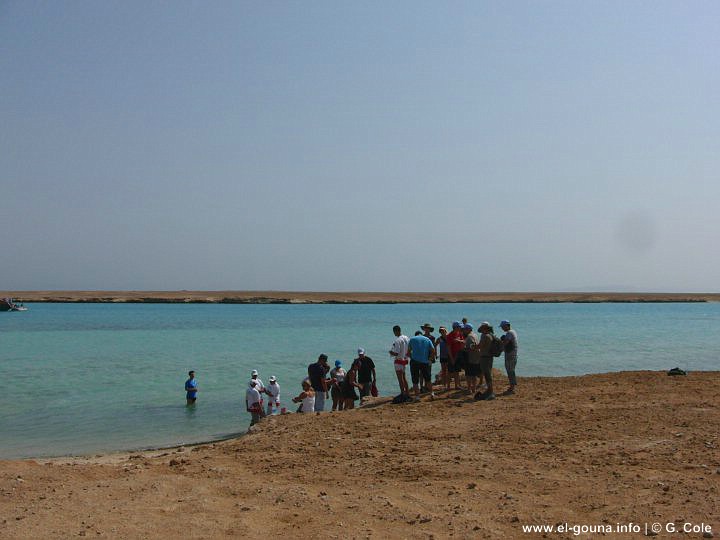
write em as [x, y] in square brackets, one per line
[497, 347]
[676, 371]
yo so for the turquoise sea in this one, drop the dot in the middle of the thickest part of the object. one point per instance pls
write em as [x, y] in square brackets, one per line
[89, 378]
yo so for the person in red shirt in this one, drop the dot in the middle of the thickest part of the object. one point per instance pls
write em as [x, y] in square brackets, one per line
[455, 346]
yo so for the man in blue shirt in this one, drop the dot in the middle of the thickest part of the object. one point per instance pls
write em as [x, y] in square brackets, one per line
[422, 351]
[191, 388]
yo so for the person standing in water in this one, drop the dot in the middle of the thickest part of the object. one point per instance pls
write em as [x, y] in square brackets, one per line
[191, 388]
[252, 401]
[273, 390]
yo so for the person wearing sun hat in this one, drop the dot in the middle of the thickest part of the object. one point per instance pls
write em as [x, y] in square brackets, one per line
[259, 386]
[472, 357]
[486, 361]
[428, 329]
[510, 344]
[253, 402]
[258, 383]
[273, 390]
[422, 354]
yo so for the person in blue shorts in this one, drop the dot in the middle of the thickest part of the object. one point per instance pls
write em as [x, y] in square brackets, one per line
[191, 388]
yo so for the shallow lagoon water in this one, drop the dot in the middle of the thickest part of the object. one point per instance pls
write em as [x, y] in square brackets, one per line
[89, 378]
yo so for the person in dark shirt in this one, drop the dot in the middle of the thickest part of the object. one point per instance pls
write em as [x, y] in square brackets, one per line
[486, 361]
[366, 373]
[428, 329]
[444, 355]
[317, 373]
[349, 384]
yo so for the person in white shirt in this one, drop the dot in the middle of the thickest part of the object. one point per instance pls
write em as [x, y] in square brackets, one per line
[273, 390]
[399, 351]
[259, 386]
[252, 401]
[337, 376]
[306, 398]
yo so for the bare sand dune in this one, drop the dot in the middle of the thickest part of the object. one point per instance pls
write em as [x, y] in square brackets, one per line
[600, 449]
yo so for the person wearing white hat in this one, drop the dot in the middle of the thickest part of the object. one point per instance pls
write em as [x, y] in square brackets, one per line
[259, 386]
[366, 373]
[252, 402]
[273, 390]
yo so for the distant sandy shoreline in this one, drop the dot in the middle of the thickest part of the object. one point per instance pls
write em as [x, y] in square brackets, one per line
[304, 297]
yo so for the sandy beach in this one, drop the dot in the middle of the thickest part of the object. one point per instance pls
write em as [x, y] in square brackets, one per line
[305, 297]
[606, 449]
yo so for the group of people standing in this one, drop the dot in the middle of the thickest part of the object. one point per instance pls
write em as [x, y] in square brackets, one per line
[460, 349]
[255, 396]
[344, 386]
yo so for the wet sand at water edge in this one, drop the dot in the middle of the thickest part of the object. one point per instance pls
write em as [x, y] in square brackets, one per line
[598, 449]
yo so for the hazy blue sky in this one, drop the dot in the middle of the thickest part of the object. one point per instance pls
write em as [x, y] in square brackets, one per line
[527, 146]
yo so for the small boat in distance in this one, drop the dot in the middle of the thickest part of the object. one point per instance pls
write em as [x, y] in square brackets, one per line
[7, 304]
